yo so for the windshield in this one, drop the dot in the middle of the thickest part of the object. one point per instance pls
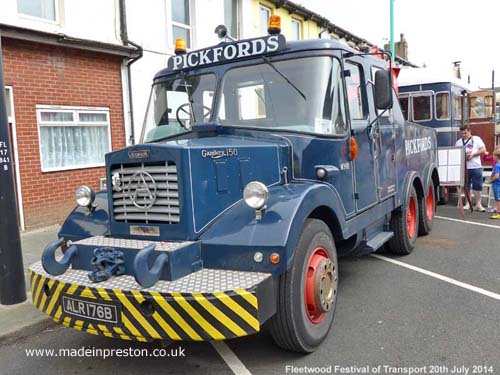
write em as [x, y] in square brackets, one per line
[178, 100]
[303, 94]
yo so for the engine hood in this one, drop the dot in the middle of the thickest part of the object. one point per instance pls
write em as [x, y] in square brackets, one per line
[211, 173]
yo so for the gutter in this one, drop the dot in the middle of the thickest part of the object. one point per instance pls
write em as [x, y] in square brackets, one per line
[138, 48]
[63, 40]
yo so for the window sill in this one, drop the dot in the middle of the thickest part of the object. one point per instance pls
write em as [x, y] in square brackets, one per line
[62, 169]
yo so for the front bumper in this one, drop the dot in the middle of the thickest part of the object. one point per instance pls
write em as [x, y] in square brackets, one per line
[205, 305]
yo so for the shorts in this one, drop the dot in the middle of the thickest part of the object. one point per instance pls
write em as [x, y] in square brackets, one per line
[475, 179]
[496, 191]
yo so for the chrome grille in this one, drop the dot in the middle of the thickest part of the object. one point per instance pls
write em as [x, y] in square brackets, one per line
[154, 189]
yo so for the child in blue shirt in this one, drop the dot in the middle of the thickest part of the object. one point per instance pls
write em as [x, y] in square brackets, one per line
[495, 183]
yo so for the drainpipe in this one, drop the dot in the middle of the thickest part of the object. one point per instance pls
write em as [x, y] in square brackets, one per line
[126, 41]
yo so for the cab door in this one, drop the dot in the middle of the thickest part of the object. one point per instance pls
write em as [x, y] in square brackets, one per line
[365, 165]
[385, 139]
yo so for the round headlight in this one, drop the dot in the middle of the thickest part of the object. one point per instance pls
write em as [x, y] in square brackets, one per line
[256, 195]
[85, 196]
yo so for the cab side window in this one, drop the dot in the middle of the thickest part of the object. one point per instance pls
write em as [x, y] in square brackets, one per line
[355, 88]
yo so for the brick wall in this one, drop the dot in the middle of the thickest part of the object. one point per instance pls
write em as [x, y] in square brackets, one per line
[51, 75]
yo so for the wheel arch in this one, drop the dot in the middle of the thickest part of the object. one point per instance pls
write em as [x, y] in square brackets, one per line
[329, 217]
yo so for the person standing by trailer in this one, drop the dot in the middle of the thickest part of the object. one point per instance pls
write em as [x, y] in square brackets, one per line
[474, 148]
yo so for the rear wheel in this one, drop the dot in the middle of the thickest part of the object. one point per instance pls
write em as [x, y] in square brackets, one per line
[427, 210]
[307, 293]
[404, 224]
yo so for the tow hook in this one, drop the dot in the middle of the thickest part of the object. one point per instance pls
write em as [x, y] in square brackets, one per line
[144, 275]
[49, 262]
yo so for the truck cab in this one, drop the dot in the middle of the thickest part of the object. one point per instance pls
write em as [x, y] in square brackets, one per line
[261, 162]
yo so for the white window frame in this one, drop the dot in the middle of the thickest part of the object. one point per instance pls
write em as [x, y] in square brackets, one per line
[182, 26]
[269, 10]
[459, 97]
[435, 106]
[411, 95]
[419, 94]
[299, 23]
[76, 122]
[41, 19]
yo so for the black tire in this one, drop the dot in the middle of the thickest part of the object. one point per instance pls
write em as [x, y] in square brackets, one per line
[291, 327]
[444, 195]
[403, 243]
[426, 219]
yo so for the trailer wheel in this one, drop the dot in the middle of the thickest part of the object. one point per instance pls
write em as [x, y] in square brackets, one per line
[307, 292]
[444, 195]
[427, 210]
[404, 224]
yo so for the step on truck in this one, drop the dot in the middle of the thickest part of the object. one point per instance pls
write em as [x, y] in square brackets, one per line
[261, 162]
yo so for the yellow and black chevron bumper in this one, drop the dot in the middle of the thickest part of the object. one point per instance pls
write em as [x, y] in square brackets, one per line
[206, 305]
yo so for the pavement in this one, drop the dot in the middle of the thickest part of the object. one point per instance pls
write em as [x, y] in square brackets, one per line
[434, 311]
[17, 321]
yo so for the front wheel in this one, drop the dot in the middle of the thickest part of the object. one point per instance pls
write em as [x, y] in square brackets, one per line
[307, 292]
[404, 224]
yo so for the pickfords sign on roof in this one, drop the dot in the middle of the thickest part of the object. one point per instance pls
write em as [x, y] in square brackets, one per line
[227, 52]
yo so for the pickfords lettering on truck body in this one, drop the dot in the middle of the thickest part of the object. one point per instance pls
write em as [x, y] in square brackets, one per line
[256, 170]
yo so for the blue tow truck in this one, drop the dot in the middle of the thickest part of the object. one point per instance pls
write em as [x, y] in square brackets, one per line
[261, 162]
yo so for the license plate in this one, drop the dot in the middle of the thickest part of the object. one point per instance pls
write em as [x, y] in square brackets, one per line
[107, 312]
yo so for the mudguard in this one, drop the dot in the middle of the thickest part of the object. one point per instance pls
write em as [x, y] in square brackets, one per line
[82, 223]
[233, 239]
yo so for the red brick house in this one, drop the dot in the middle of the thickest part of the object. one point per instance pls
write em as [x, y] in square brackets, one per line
[66, 110]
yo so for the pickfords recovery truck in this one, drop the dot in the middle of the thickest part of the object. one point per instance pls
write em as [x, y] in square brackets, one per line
[261, 162]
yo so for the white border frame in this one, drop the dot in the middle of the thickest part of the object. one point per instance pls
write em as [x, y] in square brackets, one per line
[435, 106]
[459, 97]
[10, 91]
[420, 94]
[75, 110]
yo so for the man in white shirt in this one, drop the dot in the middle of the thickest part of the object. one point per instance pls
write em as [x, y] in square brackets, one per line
[474, 148]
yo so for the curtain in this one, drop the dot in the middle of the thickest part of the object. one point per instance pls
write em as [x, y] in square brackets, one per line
[73, 146]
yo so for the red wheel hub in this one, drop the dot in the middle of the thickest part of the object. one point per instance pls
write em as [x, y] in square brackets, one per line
[429, 204]
[411, 218]
[320, 283]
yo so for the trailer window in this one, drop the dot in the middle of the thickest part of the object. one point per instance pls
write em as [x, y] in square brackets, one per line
[457, 107]
[421, 108]
[442, 106]
[481, 106]
[404, 102]
[304, 95]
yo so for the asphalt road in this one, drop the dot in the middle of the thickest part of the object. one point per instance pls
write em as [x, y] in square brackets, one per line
[387, 315]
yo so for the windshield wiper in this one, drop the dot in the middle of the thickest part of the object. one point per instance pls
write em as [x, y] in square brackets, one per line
[283, 76]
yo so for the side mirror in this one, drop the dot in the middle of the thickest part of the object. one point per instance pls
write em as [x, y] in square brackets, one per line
[383, 89]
